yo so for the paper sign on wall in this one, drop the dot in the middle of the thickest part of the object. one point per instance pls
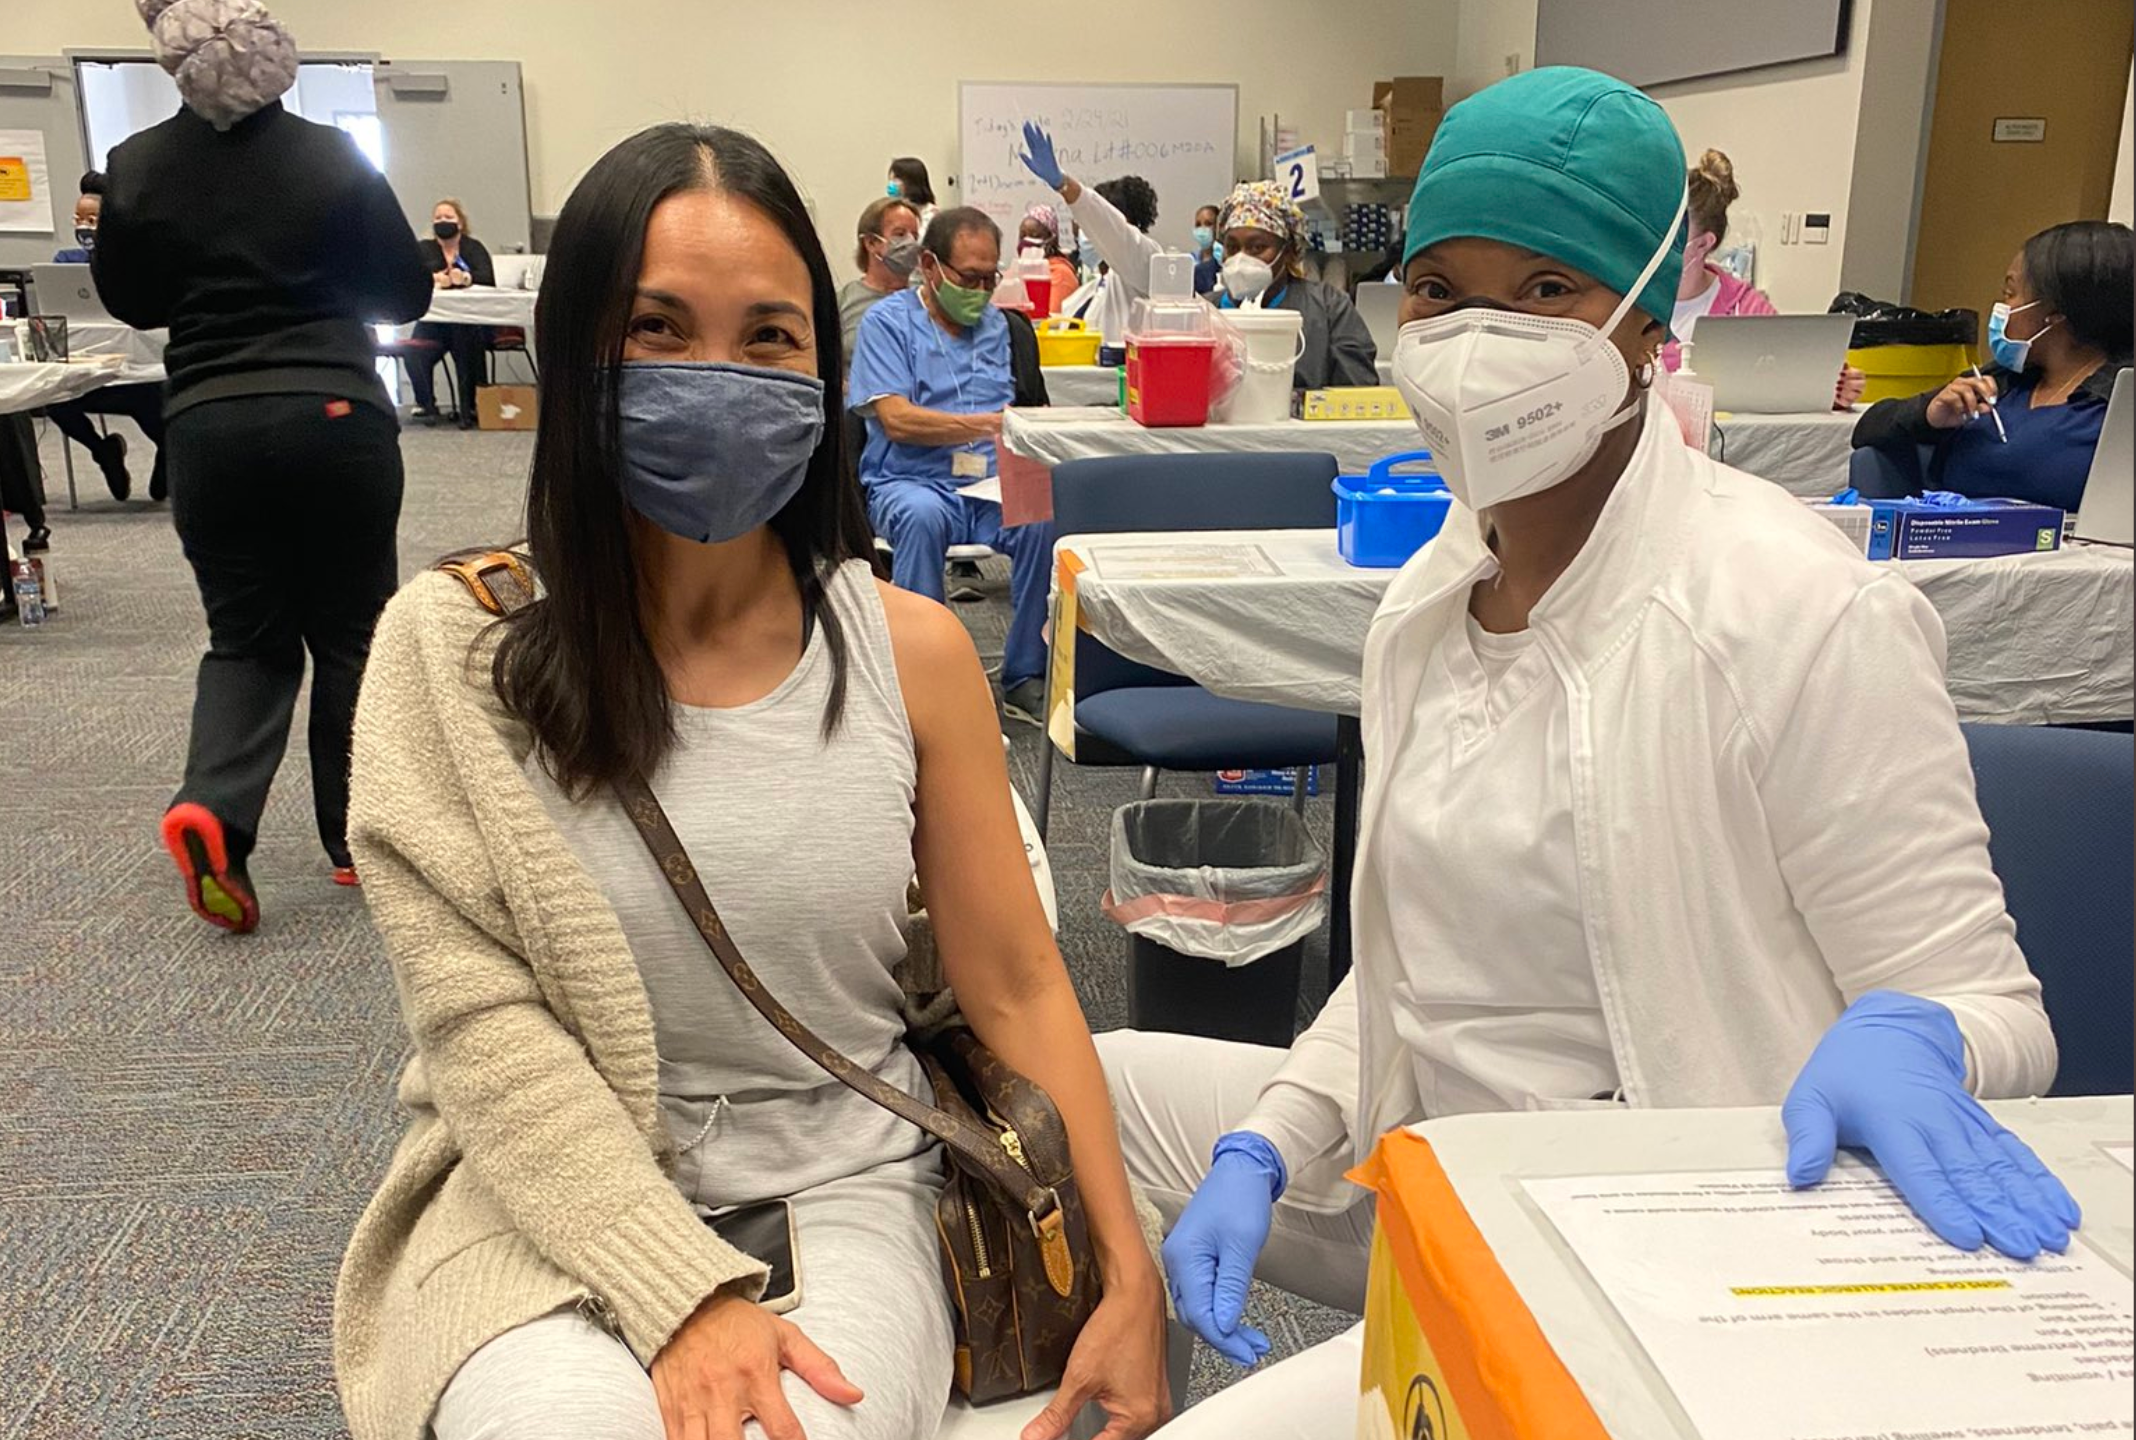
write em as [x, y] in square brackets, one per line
[1299, 172]
[25, 183]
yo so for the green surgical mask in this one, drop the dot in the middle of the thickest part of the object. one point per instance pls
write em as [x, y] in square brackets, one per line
[961, 304]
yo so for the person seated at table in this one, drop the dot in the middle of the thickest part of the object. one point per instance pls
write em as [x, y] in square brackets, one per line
[457, 260]
[1208, 251]
[886, 252]
[1645, 723]
[88, 205]
[141, 403]
[931, 375]
[908, 182]
[1264, 265]
[2059, 334]
[1042, 227]
[1707, 289]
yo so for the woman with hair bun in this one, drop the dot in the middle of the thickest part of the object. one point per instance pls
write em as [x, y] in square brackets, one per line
[1707, 289]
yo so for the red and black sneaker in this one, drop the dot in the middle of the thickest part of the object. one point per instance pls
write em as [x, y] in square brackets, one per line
[219, 892]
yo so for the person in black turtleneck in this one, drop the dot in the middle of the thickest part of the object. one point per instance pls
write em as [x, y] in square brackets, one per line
[267, 244]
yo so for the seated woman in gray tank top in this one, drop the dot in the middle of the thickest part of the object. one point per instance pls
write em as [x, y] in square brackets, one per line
[587, 1083]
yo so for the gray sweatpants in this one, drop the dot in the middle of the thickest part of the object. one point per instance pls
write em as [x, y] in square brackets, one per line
[871, 1297]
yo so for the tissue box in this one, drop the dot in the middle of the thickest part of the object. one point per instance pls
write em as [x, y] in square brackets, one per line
[1915, 530]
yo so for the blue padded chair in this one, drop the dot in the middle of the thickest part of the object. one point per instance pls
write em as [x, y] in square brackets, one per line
[2058, 805]
[1130, 714]
[1889, 474]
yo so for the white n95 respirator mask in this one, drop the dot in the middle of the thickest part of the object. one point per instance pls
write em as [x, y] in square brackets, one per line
[1512, 404]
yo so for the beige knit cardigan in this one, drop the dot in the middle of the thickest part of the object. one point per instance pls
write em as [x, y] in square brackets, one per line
[534, 1173]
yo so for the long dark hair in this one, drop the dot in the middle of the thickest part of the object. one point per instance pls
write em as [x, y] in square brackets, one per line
[2086, 269]
[913, 184]
[577, 666]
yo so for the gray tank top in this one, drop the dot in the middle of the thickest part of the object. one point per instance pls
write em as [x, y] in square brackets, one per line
[805, 845]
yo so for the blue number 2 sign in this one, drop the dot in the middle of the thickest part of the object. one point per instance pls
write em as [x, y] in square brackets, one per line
[1298, 171]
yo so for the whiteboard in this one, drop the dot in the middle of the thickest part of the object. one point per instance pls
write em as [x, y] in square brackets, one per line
[1183, 139]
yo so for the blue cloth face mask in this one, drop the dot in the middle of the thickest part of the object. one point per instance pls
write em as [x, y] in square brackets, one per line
[711, 450]
[2011, 354]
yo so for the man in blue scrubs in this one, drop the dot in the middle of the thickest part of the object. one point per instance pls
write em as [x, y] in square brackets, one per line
[931, 375]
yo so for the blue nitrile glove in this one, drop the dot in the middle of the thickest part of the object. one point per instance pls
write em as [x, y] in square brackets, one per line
[1038, 158]
[1210, 1254]
[1889, 1078]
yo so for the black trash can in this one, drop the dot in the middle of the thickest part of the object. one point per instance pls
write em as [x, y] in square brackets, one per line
[1217, 897]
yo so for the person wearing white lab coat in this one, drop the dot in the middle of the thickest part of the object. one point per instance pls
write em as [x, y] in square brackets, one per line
[1667, 804]
[1116, 225]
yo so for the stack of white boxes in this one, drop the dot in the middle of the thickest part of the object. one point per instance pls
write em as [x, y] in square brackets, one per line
[1364, 144]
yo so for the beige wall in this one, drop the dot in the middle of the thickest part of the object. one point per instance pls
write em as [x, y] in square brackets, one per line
[837, 87]
[1794, 133]
[2121, 202]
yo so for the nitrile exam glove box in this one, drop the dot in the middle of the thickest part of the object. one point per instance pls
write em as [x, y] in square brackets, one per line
[1920, 530]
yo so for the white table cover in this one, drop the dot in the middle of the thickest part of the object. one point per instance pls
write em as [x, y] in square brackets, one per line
[2033, 639]
[1487, 1156]
[1061, 434]
[140, 352]
[481, 305]
[32, 384]
[1805, 454]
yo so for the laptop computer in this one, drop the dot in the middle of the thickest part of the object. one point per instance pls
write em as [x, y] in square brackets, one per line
[67, 290]
[2107, 513]
[1379, 304]
[1771, 364]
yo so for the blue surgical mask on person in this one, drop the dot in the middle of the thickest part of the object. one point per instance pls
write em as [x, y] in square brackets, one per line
[1086, 250]
[2011, 354]
[1204, 236]
[894, 190]
[712, 450]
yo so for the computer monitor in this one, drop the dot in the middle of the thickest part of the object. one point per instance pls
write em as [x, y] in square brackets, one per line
[2107, 514]
[1771, 364]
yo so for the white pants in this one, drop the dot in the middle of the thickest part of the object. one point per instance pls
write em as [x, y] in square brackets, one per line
[1175, 1095]
[871, 1297]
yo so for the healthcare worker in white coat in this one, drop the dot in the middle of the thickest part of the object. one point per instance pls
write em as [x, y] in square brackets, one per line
[1118, 233]
[1666, 802]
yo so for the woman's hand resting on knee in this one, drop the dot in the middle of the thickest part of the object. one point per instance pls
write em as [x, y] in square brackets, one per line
[722, 1367]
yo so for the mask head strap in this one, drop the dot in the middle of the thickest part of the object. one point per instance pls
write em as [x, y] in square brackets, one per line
[1668, 242]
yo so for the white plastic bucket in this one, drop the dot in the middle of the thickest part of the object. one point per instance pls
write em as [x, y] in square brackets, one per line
[1274, 341]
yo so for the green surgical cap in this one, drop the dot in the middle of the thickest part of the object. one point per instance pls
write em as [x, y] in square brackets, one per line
[1565, 162]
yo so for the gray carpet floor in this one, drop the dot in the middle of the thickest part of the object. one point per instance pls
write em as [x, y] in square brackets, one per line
[189, 1122]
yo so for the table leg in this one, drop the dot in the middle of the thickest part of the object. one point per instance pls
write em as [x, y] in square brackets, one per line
[1349, 766]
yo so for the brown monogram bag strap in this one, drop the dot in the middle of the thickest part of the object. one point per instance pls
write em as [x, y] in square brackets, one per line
[501, 582]
[973, 1143]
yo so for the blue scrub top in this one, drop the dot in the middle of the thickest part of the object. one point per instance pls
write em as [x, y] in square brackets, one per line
[2046, 462]
[902, 351]
[73, 256]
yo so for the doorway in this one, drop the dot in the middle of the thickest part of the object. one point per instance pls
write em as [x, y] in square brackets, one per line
[2048, 79]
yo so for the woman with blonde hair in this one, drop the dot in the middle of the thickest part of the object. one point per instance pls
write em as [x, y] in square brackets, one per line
[1707, 289]
[456, 260]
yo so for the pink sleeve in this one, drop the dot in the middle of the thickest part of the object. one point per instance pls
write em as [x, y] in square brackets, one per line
[1739, 298]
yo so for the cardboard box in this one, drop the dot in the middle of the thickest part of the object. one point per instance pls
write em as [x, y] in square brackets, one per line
[1912, 530]
[506, 407]
[1266, 782]
[1413, 106]
[1374, 168]
[1361, 147]
[1451, 1350]
[1362, 120]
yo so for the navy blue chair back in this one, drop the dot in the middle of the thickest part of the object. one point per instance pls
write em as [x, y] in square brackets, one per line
[1892, 473]
[2059, 806]
[1286, 491]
